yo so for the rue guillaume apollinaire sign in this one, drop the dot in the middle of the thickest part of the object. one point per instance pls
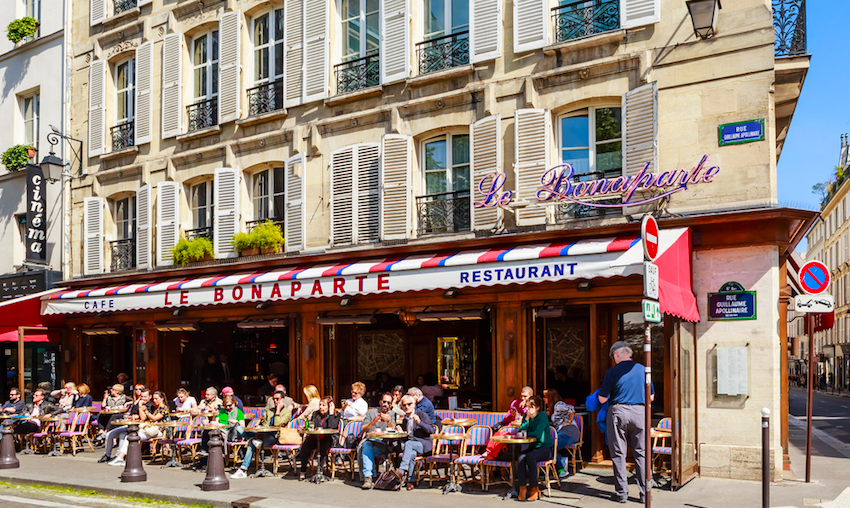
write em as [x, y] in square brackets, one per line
[36, 216]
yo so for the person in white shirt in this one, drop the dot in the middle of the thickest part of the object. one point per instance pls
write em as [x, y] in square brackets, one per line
[38, 407]
[183, 401]
[355, 408]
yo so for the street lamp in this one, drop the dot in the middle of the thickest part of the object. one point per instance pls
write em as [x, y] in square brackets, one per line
[704, 17]
[53, 167]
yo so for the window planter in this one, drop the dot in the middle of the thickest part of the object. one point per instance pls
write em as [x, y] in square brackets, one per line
[21, 29]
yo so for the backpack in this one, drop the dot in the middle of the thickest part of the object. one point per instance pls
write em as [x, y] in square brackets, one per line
[388, 480]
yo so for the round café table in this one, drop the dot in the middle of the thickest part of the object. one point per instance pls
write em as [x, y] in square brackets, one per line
[12, 419]
[513, 442]
[53, 432]
[173, 424]
[261, 471]
[451, 485]
[319, 477]
[466, 423]
[389, 437]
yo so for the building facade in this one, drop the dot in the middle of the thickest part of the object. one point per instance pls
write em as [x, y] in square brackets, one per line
[459, 185]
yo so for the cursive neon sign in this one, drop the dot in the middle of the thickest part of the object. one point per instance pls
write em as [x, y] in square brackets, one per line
[556, 184]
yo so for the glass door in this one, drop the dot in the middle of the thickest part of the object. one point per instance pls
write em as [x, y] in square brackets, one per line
[683, 356]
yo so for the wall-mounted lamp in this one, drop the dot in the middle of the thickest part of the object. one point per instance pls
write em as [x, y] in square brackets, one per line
[704, 17]
[179, 311]
[552, 312]
[584, 285]
[451, 293]
[263, 305]
[345, 301]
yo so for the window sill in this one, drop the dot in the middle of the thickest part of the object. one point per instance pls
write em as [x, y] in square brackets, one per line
[265, 117]
[117, 18]
[586, 42]
[356, 95]
[431, 77]
[120, 153]
[215, 129]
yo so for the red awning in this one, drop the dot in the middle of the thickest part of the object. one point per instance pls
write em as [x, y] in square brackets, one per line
[674, 285]
[26, 311]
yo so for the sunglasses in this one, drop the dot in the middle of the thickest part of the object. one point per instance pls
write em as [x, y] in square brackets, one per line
[408, 404]
[387, 402]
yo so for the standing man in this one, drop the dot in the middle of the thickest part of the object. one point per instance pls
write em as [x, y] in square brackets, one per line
[623, 388]
[268, 389]
[14, 405]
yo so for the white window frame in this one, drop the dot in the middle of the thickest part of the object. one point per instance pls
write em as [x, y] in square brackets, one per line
[31, 125]
[450, 165]
[129, 90]
[362, 17]
[32, 8]
[271, 46]
[208, 207]
[273, 213]
[591, 135]
[449, 26]
[211, 66]
[130, 220]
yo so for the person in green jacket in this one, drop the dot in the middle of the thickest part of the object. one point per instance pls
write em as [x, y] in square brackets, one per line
[536, 424]
[232, 418]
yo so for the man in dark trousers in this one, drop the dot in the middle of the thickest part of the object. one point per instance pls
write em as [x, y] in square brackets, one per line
[623, 388]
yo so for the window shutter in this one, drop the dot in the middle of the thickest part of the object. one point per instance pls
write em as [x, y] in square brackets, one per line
[172, 58]
[485, 30]
[226, 207]
[93, 242]
[97, 112]
[167, 221]
[640, 129]
[143, 128]
[395, 41]
[486, 158]
[229, 70]
[531, 24]
[315, 50]
[368, 183]
[294, 66]
[143, 228]
[532, 157]
[639, 12]
[143, 2]
[295, 188]
[342, 196]
[395, 186]
[97, 11]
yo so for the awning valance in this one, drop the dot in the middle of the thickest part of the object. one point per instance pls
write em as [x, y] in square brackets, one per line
[586, 259]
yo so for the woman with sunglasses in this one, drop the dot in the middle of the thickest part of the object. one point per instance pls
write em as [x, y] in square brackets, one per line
[149, 414]
[306, 411]
[232, 418]
[324, 418]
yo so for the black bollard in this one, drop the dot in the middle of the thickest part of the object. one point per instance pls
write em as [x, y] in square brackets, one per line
[765, 458]
[215, 479]
[133, 470]
[8, 460]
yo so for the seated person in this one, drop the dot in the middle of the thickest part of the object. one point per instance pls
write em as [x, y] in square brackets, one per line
[306, 410]
[288, 403]
[112, 398]
[376, 420]
[355, 408]
[229, 391]
[563, 417]
[134, 413]
[536, 424]
[209, 407]
[38, 407]
[418, 427]
[278, 416]
[147, 430]
[431, 389]
[324, 418]
[85, 399]
[398, 393]
[14, 405]
[232, 418]
[67, 396]
[517, 408]
[183, 401]
[423, 404]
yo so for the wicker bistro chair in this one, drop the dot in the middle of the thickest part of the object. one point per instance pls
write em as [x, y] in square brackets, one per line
[442, 454]
[291, 451]
[253, 415]
[574, 450]
[473, 455]
[76, 432]
[505, 465]
[549, 466]
[350, 454]
[661, 448]
[170, 437]
[191, 440]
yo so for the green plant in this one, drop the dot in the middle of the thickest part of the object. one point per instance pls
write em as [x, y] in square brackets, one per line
[20, 29]
[16, 157]
[188, 251]
[264, 236]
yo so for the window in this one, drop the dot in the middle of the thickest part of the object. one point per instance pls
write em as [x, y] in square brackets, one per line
[446, 30]
[125, 80]
[269, 50]
[360, 28]
[591, 141]
[202, 209]
[125, 218]
[34, 11]
[447, 169]
[445, 17]
[203, 112]
[30, 106]
[267, 195]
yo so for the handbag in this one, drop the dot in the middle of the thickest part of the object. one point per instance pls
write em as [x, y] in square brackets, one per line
[289, 436]
[388, 480]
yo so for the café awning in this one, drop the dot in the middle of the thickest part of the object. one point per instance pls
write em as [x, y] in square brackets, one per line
[552, 262]
[25, 311]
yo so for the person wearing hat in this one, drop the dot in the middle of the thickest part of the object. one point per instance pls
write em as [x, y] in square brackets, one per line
[623, 388]
[229, 391]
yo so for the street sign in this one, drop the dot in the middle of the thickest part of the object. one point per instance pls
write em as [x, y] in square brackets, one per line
[814, 277]
[817, 304]
[651, 311]
[732, 303]
[649, 237]
[740, 132]
[650, 280]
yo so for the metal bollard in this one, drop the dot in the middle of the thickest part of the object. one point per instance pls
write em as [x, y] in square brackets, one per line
[765, 458]
[133, 469]
[215, 479]
[8, 460]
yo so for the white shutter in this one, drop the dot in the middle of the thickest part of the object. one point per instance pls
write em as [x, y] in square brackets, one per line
[485, 30]
[97, 11]
[229, 70]
[226, 208]
[532, 158]
[295, 189]
[143, 2]
[639, 12]
[294, 64]
[97, 111]
[640, 129]
[485, 159]
[143, 128]
[396, 159]
[342, 196]
[93, 241]
[531, 24]
[172, 58]
[167, 221]
[395, 40]
[368, 187]
[315, 50]
[143, 228]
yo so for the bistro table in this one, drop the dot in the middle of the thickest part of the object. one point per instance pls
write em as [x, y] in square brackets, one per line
[53, 432]
[261, 471]
[390, 437]
[460, 422]
[173, 424]
[452, 485]
[11, 420]
[512, 442]
[319, 477]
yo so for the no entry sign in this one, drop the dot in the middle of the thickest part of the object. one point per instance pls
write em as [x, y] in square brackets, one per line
[814, 277]
[649, 235]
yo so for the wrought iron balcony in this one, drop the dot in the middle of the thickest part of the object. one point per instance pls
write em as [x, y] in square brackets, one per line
[254, 223]
[122, 136]
[568, 210]
[203, 114]
[265, 98]
[124, 5]
[358, 74]
[584, 18]
[447, 212]
[206, 232]
[123, 254]
[789, 23]
[443, 53]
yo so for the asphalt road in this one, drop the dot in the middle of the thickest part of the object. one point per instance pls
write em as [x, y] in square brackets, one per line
[830, 413]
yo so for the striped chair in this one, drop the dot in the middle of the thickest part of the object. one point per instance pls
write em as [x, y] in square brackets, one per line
[291, 451]
[178, 433]
[502, 464]
[547, 466]
[76, 432]
[350, 428]
[191, 439]
[473, 455]
[575, 449]
[660, 444]
[442, 453]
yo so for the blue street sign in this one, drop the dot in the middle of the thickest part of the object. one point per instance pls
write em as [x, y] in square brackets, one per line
[740, 132]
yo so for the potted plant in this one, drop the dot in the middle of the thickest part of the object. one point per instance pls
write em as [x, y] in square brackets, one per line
[265, 238]
[192, 251]
[20, 29]
[16, 157]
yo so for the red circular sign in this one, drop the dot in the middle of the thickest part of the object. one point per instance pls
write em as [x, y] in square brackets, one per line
[649, 235]
[814, 277]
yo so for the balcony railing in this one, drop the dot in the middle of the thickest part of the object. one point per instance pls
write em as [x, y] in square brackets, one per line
[203, 114]
[789, 23]
[447, 212]
[443, 53]
[265, 98]
[568, 210]
[123, 254]
[254, 223]
[206, 232]
[124, 5]
[122, 136]
[358, 74]
[584, 18]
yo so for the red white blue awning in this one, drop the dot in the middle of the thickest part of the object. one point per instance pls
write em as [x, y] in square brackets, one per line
[586, 259]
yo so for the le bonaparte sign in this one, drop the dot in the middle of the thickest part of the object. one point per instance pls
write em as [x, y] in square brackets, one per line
[36, 216]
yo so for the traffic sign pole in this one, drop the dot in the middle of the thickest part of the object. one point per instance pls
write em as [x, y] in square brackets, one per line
[650, 240]
[811, 318]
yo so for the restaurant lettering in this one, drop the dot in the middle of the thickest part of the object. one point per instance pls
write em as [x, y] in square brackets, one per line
[36, 216]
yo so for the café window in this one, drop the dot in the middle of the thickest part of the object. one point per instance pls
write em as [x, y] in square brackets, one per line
[267, 195]
[591, 141]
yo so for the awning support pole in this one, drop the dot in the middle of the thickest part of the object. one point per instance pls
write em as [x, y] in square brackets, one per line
[21, 361]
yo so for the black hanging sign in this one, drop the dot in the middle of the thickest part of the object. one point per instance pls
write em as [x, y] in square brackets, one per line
[36, 216]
